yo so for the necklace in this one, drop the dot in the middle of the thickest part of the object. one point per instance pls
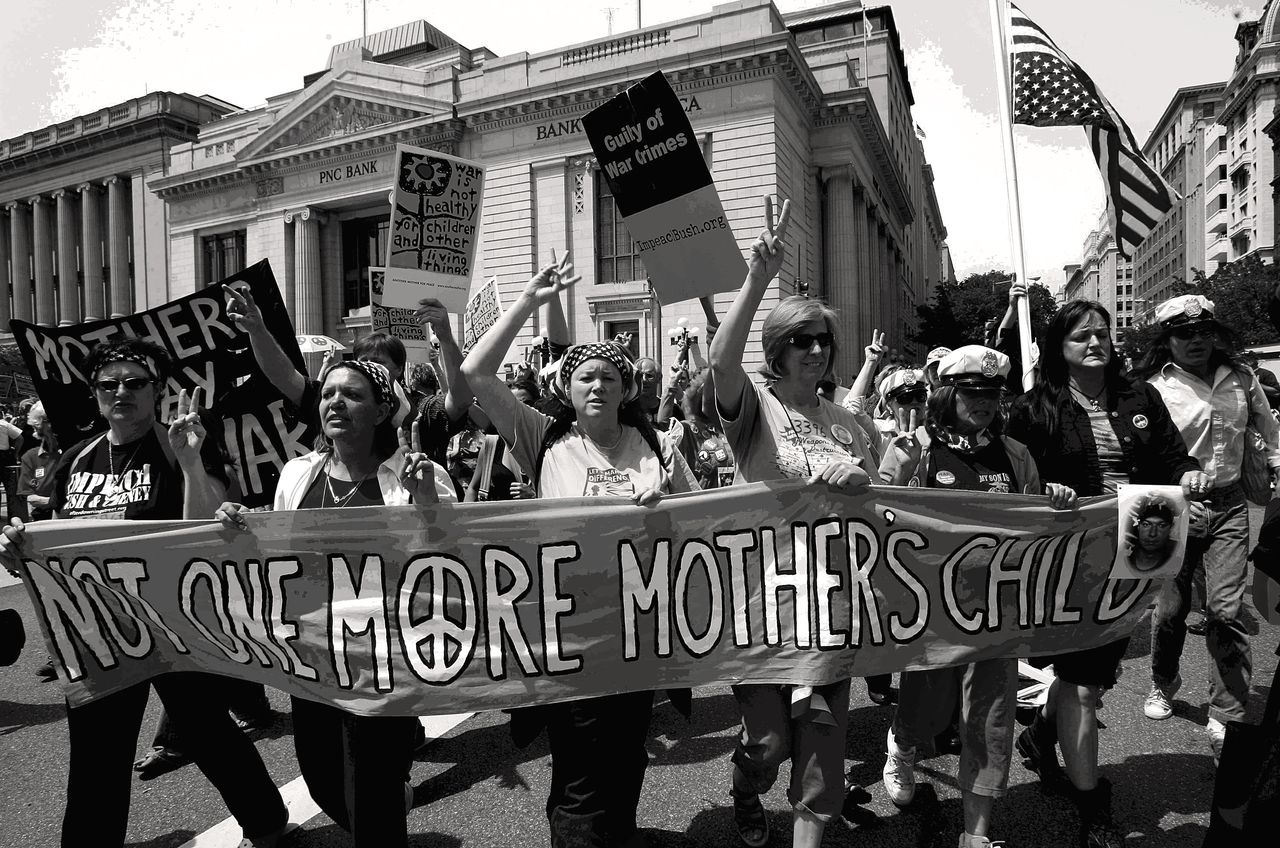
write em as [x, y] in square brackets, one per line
[118, 476]
[603, 448]
[1092, 401]
[328, 484]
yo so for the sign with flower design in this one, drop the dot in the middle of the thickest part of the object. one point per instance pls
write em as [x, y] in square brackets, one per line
[398, 323]
[435, 227]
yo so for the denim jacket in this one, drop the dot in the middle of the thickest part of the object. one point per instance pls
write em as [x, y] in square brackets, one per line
[1151, 443]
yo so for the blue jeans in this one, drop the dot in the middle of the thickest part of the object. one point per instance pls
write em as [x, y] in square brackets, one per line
[1223, 553]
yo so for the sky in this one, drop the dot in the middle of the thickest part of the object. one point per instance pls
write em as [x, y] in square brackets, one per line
[70, 57]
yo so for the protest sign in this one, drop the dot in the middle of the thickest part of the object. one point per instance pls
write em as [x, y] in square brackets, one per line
[458, 607]
[259, 427]
[24, 385]
[395, 321]
[1152, 529]
[435, 224]
[483, 311]
[659, 179]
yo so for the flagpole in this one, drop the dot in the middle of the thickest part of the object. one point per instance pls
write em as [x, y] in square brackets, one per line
[1004, 101]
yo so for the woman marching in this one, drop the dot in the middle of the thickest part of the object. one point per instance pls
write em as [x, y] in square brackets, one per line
[965, 451]
[787, 431]
[139, 471]
[600, 444]
[355, 767]
[1091, 429]
[1213, 398]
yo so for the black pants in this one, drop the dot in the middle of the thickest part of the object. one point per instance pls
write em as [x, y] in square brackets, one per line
[245, 699]
[355, 768]
[104, 738]
[598, 761]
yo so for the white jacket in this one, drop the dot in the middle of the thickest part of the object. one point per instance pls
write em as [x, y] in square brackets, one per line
[298, 474]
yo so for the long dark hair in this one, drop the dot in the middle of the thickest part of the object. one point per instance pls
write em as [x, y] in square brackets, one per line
[1225, 352]
[1052, 392]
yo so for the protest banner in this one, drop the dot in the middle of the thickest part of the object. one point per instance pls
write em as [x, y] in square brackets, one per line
[261, 430]
[24, 385]
[435, 224]
[660, 181]
[483, 311]
[395, 321]
[458, 607]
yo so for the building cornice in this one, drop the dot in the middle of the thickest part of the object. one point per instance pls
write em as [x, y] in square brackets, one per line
[439, 135]
[857, 108]
[1237, 99]
[156, 130]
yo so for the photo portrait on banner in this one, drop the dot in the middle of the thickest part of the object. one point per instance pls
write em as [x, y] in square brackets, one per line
[1152, 532]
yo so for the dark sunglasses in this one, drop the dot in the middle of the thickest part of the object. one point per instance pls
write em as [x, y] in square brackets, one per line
[133, 384]
[1194, 331]
[908, 398]
[805, 341]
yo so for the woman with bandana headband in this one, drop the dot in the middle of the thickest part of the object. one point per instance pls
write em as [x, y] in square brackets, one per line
[139, 470]
[787, 431]
[356, 767]
[600, 444]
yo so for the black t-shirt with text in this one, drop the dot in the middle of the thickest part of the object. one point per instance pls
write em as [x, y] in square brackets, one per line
[987, 469]
[139, 481]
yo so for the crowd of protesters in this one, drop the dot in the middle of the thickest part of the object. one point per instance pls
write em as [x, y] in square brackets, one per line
[593, 421]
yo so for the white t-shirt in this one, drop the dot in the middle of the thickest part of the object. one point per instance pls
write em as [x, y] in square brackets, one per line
[576, 467]
[772, 441]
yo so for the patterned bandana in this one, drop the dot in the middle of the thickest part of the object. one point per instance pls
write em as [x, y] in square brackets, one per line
[378, 377]
[148, 363]
[611, 352]
[961, 443]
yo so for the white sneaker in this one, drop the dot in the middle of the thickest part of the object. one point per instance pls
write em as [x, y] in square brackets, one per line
[1217, 736]
[1159, 703]
[967, 841]
[899, 773]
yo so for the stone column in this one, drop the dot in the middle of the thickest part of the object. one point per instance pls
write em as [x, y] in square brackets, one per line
[91, 252]
[6, 309]
[68, 274]
[42, 261]
[840, 264]
[307, 306]
[19, 250]
[118, 247]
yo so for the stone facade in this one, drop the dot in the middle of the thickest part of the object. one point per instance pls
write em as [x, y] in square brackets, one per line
[82, 236]
[815, 107]
[1105, 276]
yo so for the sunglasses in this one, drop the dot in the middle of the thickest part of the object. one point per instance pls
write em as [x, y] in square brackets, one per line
[1195, 331]
[908, 398]
[133, 384]
[805, 341]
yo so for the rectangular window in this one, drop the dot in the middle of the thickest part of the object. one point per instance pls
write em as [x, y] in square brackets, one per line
[364, 244]
[617, 258]
[223, 255]
[613, 329]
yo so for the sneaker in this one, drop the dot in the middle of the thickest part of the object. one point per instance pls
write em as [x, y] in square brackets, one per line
[967, 841]
[1159, 703]
[1198, 625]
[1037, 745]
[47, 672]
[899, 773]
[1217, 736]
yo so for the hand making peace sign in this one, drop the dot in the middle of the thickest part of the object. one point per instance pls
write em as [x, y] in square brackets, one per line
[186, 432]
[768, 251]
[551, 280]
[418, 474]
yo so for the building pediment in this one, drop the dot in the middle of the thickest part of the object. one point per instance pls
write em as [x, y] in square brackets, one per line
[344, 107]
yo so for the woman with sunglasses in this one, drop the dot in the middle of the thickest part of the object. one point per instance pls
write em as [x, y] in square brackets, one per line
[963, 451]
[1089, 427]
[139, 470]
[355, 767]
[600, 443]
[787, 431]
[1213, 398]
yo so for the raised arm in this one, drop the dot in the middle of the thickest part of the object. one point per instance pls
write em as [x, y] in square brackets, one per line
[730, 342]
[266, 350]
[457, 397]
[481, 365]
[873, 354]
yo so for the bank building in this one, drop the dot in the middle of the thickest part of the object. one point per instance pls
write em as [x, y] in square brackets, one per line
[813, 106]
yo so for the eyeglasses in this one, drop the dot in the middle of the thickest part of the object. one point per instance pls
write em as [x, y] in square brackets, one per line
[909, 398]
[1147, 524]
[1194, 331]
[805, 341]
[133, 384]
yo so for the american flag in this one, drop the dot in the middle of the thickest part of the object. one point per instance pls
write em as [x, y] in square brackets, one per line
[1050, 90]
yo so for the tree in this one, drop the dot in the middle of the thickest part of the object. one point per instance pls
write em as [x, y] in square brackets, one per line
[959, 312]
